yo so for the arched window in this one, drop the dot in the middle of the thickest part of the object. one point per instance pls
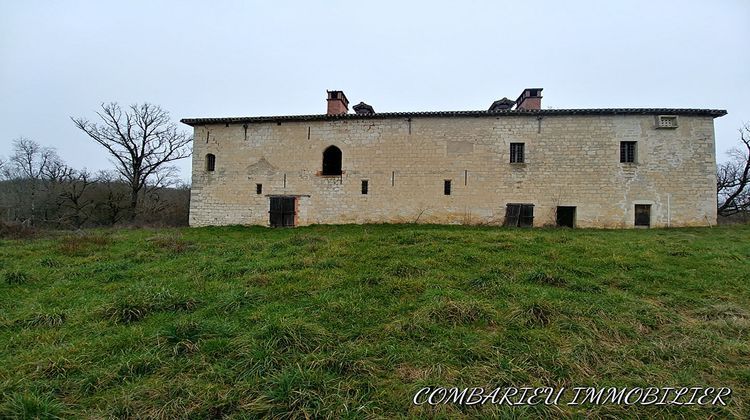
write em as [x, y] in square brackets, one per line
[210, 162]
[332, 161]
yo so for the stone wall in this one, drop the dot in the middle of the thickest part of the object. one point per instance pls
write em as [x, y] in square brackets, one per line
[570, 161]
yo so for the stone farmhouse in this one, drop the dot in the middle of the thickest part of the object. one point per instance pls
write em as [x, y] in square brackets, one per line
[514, 164]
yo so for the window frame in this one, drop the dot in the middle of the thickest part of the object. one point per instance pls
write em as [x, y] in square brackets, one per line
[660, 119]
[519, 215]
[447, 187]
[210, 165]
[518, 152]
[625, 154]
[365, 189]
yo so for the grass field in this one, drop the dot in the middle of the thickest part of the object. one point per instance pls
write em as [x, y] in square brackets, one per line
[350, 321]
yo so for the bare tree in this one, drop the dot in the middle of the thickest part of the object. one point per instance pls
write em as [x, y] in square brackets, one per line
[29, 163]
[142, 141]
[113, 204]
[73, 197]
[733, 178]
[30, 159]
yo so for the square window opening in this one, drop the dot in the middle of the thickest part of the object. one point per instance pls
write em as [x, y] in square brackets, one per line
[628, 151]
[517, 153]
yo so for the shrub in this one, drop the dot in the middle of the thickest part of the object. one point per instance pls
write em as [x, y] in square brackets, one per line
[17, 231]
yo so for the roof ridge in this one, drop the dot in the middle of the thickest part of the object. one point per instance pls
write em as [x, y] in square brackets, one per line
[477, 113]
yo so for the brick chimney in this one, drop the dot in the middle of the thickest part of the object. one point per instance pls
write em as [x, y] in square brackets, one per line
[337, 102]
[531, 98]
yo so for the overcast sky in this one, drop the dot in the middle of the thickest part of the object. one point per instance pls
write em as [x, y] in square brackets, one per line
[226, 58]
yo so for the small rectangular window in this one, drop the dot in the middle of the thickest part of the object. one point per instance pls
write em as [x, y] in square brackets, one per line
[210, 162]
[259, 188]
[516, 153]
[627, 151]
[365, 186]
[520, 215]
[447, 187]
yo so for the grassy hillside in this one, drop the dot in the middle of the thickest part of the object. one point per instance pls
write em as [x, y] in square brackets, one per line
[350, 321]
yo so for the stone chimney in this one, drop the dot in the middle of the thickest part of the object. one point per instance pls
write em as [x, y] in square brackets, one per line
[337, 102]
[531, 98]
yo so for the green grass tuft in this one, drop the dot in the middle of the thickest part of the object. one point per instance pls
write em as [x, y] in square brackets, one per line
[27, 405]
[537, 314]
[16, 277]
[285, 334]
[134, 307]
[49, 319]
[546, 279]
[50, 262]
[457, 312]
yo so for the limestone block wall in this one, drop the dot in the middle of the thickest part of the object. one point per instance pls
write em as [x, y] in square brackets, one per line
[570, 161]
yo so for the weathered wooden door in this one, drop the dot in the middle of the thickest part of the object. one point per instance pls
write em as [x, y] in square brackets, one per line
[282, 211]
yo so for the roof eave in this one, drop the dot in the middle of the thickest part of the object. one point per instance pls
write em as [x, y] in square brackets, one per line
[428, 114]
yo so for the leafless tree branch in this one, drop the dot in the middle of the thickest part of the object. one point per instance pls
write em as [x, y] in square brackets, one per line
[142, 140]
[733, 178]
